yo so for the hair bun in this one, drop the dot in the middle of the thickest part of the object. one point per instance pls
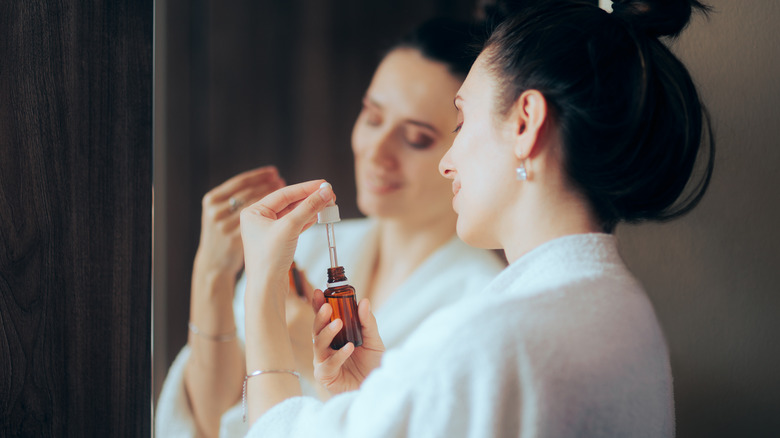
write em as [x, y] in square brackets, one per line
[657, 17]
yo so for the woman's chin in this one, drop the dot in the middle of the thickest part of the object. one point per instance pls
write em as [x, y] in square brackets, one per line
[373, 206]
[473, 235]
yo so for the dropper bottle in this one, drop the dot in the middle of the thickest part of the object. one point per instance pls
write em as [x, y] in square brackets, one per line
[339, 294]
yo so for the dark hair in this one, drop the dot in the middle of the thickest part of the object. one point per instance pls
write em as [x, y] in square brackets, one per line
[629, 115]
[453, 43]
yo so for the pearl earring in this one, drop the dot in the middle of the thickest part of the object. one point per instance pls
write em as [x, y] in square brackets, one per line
[522, 174]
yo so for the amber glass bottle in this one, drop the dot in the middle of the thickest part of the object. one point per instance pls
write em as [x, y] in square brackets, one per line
[341, 297]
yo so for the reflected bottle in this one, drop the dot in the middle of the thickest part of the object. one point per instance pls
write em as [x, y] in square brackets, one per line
[341, 297]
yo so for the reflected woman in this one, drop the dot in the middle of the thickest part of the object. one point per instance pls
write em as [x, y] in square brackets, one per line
[404, 256]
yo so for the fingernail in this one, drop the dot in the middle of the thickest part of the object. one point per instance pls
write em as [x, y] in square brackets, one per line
[325, 194]
[333, 324]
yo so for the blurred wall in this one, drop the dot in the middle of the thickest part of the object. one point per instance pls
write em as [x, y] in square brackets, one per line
[714, 276]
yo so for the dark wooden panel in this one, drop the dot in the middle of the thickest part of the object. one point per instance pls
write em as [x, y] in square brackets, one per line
[75, 218]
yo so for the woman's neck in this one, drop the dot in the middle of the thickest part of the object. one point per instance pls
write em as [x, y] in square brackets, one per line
[552, 216]
[401, 249]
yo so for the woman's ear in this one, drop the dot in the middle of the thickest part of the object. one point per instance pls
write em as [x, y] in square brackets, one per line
[529, 114]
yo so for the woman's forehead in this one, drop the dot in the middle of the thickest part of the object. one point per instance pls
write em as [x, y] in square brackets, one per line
[408, 83]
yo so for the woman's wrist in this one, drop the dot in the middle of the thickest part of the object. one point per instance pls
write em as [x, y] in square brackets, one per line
[203, 265]
[266, 326]
[211, 283]
[211, 303]
[267, 290]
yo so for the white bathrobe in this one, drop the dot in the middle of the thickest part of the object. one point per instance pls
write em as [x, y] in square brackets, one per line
[450, 273]
[563, 343]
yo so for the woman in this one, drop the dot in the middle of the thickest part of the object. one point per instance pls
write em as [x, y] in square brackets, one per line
[570, 121]
[405, 256]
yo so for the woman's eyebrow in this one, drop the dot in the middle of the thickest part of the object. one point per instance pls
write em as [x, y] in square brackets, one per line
[371, 101]
[422, 124]
[419, 123]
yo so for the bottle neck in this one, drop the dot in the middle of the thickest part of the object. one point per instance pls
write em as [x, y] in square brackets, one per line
[336, 276]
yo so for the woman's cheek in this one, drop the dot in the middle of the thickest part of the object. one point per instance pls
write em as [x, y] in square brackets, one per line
[357, 137]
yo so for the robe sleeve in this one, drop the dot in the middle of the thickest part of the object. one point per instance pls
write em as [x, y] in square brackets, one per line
[427, 388]
[173, 417]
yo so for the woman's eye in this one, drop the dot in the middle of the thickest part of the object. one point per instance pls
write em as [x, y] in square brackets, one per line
[373, 120]
[371, 117]
[420, 142]
[457, 128]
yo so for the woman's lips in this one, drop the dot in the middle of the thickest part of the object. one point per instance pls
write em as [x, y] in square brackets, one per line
[455, 187]
[380, 185]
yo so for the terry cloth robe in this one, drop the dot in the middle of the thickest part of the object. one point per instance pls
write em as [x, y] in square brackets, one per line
[448, 274]
[563, 343]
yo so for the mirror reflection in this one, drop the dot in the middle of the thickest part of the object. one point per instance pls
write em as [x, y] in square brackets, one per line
[576, 153]
[316, 91]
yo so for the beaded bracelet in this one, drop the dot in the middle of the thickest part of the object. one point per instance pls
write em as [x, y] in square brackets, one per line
[216, 338]
[257, 373]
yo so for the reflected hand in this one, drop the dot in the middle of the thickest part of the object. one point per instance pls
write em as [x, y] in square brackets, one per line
[300, 318]
[220, 247]
[344, 369]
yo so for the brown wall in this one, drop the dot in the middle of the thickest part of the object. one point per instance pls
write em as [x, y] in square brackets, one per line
[714, 276]
[75, 218]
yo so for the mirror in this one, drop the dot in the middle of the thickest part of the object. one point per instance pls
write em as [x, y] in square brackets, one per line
[280, 82]
[250, 84]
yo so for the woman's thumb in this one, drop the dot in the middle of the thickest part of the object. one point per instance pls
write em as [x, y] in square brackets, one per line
[315, 203]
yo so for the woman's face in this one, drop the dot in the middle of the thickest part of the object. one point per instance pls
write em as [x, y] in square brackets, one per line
[405, 127]
[481, 162]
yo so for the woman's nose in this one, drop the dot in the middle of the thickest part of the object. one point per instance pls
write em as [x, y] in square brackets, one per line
[446, 169]
[382, 147]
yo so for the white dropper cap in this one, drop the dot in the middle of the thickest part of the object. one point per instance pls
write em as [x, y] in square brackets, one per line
[329, 214]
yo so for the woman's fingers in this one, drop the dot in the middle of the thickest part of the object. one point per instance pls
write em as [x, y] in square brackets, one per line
[324, 332]
[367, 319]
[368, 326]
[225, 200]
[244, 198]
[329, 370]
[314, 199]
[305, 214]
[321, 320]
[269, 241]
[250, 178]
[317, 300]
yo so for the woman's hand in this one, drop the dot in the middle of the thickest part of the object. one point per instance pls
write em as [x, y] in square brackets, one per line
[344, 369]
[220, 248]
[270, 229]
[216, 369]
